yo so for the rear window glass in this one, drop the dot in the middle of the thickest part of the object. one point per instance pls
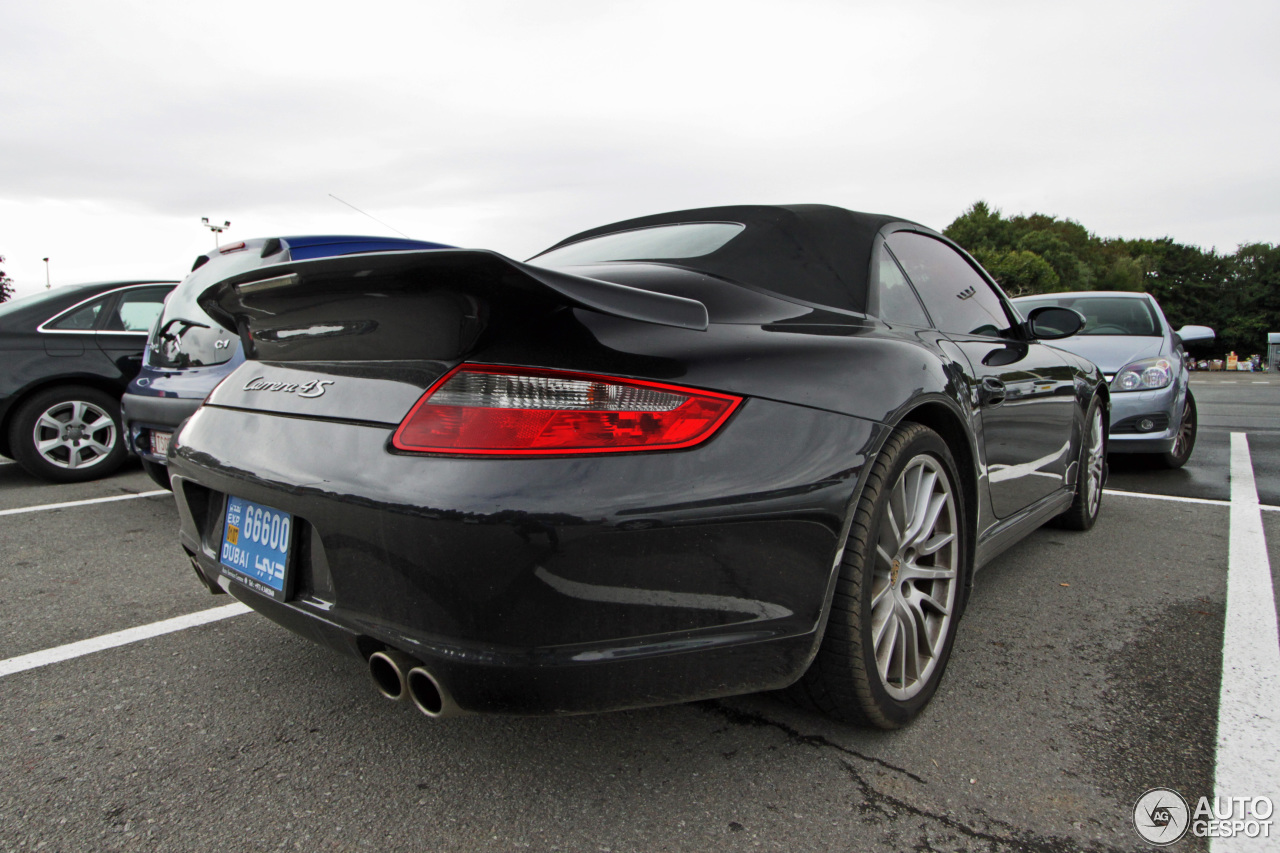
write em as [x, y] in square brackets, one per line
[80, 320]
[662, 242]
[185, 336]
[1104, 315]
[137, 310]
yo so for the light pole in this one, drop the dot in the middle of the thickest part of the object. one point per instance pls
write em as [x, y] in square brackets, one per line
[215, 228]
[47, 285]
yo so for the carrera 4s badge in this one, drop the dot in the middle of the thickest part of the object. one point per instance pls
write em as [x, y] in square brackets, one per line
[314, 388]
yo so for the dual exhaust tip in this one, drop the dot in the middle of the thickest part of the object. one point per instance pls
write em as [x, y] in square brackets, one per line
[399, 676]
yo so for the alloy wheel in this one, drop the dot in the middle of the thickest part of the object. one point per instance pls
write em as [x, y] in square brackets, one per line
[1185, 430]
[74, 434]
[1096, 458]
[917, 561]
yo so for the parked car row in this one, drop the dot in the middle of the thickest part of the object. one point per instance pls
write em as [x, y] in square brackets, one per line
[690, 455]
[67, 356]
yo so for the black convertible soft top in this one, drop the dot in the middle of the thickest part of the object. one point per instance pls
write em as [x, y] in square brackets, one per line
[813, 252]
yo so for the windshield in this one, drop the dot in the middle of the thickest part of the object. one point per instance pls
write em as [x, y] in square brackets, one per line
[1103, 315]
[663, 242]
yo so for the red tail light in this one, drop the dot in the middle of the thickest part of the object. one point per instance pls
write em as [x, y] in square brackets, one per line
[489, 410]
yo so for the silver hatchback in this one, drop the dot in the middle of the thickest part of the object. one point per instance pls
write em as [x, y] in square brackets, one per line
[1128, 337]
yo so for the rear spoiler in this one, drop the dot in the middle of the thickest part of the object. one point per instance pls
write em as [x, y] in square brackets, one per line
[263, 292]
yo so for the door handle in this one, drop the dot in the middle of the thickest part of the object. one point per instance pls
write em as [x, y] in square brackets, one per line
[990, 392]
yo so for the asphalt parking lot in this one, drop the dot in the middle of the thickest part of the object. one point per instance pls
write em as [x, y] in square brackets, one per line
[1087, 670]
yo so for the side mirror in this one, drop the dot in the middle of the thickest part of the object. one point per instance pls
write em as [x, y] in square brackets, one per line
[1051, 323]
[1191, 334]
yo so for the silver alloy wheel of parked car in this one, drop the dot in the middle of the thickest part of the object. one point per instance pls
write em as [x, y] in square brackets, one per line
[916, 571]
[1097, 458]
[1186, 439]
[74, 434]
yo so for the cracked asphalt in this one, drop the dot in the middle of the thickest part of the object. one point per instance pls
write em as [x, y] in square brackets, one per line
[1086, 671]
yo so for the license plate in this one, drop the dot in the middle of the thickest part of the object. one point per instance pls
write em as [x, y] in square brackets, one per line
[160, 442]
[255, 546]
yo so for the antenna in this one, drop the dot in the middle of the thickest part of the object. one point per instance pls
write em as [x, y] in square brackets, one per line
[371, 216]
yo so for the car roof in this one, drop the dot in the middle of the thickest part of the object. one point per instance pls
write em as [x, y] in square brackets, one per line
[816, 252]
[1078, 294]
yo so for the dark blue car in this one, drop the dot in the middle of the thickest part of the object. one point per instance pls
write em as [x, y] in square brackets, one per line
[188, 353]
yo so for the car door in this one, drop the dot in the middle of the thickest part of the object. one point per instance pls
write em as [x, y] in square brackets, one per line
[1022, 390]
[122, 333]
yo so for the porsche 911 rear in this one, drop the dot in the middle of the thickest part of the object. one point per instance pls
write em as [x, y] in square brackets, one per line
[516, 490]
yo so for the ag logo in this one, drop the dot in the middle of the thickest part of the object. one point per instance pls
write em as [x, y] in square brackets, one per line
[1161, 816]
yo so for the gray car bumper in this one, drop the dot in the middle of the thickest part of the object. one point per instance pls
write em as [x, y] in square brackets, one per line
[1162, 408]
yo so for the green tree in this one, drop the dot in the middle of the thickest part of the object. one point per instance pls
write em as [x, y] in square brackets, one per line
[1072, 273]
[6, 284]
[1019, 272]
[1236, 295]
[1256, 298]
[979, 227]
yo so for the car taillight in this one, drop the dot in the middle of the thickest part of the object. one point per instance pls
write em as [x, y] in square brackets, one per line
[480, 409]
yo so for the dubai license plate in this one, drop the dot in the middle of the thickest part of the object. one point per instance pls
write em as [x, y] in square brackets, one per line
[255, 546]
[160, 443]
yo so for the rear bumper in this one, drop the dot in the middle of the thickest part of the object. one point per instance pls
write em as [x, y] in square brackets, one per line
[545, 585]
[142, 414]
[566, 681]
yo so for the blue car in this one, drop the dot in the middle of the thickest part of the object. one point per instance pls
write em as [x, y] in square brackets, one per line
[1127, 335]
[188, 353]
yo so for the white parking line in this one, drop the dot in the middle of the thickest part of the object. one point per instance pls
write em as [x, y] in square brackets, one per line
[42, 507]
[1248, 763]
[1179, 499]
[119, 638]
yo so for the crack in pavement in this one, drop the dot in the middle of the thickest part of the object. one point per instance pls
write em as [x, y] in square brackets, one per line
[746, 718]
[893, 807]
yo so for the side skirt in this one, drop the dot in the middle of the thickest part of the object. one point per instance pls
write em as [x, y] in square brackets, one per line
[1007, 532]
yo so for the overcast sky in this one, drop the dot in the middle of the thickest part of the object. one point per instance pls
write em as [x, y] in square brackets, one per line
[509, 125]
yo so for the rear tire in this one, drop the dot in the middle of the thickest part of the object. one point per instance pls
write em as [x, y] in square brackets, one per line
[158, 473]
[1186, 440]
[1089, 480]
[896, 605]
[68, 434]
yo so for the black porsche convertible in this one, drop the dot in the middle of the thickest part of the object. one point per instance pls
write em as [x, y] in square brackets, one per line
[690, 455]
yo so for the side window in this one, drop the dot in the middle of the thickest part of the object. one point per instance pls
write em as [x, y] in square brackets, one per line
[898, 302]
[959, 300]
[80, 320]
[137, 310]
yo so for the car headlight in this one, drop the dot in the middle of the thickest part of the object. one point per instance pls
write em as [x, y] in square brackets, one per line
[1145, 375]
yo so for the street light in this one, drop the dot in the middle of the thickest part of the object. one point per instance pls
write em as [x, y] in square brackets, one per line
[47, 285]
[215, 228]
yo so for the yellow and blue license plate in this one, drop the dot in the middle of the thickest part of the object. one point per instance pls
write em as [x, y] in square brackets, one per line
[255, 546]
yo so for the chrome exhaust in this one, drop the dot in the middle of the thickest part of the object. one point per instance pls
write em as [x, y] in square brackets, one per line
[429, 695]
[390, 670]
